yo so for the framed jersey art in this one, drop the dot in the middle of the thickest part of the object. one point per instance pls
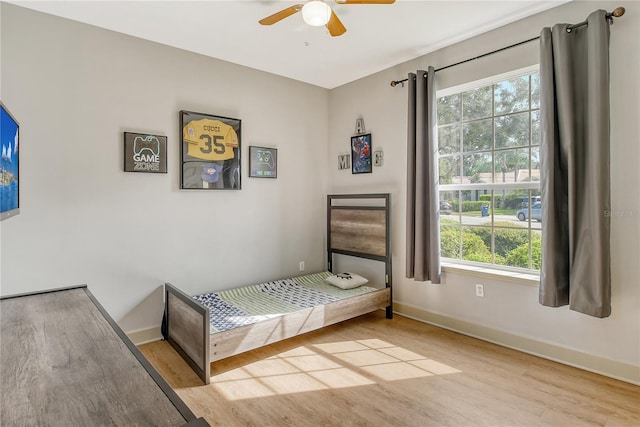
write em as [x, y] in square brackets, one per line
[210, 152]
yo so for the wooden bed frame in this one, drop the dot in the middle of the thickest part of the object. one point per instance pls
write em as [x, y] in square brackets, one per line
[359, 230]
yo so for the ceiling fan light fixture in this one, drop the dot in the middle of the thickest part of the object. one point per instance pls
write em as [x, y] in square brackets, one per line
[316, 13]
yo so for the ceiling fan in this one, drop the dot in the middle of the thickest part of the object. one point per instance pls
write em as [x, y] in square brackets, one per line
[318, 13]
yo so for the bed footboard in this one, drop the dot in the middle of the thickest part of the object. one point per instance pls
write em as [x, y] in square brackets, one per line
[256, 335]
[187, 329]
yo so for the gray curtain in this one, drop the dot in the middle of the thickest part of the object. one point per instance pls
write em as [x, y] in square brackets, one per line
[423, 222]
[574, 92]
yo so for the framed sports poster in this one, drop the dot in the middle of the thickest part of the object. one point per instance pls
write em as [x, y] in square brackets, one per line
[361, 154]
[263, 162]
[210, 152]
[145, 153]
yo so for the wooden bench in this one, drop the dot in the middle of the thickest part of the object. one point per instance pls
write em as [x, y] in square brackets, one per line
[64, 361]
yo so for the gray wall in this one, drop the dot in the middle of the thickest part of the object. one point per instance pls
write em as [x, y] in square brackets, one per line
[75, 89]
[509, 313]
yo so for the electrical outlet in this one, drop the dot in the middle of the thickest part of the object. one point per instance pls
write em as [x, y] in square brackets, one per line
[301, 265]
[479, 290]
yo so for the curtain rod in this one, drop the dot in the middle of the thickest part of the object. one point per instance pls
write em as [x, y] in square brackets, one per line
[617, 13]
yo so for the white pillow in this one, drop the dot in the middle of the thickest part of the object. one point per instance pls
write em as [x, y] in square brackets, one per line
[346, 280]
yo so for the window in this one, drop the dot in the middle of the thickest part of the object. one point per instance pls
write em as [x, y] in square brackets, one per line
[489, 155]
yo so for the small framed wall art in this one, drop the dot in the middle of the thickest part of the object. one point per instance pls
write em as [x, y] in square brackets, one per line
[263, 162]
[145, 153]
[361, 154]
[210, 152]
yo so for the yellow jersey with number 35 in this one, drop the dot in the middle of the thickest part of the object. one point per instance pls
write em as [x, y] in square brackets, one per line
[210, 139]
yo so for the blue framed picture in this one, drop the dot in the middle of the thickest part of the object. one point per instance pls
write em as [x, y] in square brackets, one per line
[9, 164]
[361, 154]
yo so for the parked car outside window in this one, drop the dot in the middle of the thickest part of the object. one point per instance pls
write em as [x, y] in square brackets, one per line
[445, 207]
[525, 202]
[536, 212]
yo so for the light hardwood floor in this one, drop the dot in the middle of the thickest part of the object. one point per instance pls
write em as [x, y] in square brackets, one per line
[371, 371]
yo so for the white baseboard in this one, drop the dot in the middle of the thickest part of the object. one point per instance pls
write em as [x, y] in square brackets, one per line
[600, 365]
[144, 336]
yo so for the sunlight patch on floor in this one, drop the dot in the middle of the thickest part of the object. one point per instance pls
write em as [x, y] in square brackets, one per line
[396, 371]
[326, 366]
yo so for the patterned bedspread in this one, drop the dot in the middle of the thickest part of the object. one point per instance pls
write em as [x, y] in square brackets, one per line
[250, 304]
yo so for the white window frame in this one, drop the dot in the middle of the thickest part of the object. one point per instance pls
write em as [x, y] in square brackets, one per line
[525, 275]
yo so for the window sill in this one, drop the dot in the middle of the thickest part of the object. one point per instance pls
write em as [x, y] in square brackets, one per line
[485, 272]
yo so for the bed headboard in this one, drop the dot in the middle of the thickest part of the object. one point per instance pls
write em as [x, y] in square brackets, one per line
[360, 225]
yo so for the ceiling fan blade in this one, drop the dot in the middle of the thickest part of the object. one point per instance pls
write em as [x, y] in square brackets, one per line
[335, 26]
[279, 16]
[365, 1]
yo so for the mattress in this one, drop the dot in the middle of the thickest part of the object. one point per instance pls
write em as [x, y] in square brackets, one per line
[233, 308]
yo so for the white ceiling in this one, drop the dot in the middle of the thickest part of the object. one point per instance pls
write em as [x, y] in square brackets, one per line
[377, 37]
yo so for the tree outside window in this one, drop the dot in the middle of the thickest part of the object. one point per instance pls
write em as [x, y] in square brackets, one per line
[489, 167]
